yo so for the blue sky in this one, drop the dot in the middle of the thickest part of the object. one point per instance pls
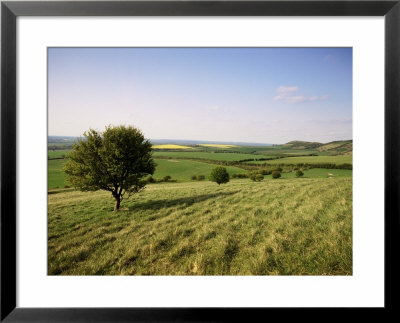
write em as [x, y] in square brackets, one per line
[266, 95]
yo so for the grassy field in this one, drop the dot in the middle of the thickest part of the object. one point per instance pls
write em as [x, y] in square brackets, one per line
[207, 155]
[182, 170]
[319, 173]
[56, 176]
[311, 160]
[296, 226]
[58, 153]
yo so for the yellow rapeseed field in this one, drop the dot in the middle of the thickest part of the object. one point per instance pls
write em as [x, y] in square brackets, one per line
[171, 147]
[218, 146]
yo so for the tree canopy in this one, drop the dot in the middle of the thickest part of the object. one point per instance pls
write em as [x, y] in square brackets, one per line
[115, 161]
[219, 175]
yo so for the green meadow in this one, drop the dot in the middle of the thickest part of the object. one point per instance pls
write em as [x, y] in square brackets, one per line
[206, 155]
[182, 170]
[342, 159]
[56, 177]
[299, 226]
[285, 226]
[58, 153]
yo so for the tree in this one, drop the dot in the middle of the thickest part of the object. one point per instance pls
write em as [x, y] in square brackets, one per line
[299, 173]
[115, 161]
[219, 175]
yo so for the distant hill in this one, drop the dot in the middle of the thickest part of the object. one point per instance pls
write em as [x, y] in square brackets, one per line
[296, 144]
[342, 147]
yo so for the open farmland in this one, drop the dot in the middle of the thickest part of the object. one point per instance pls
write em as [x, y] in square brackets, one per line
[58, 153]
[56, 177]
[182, 170]
[206, 155]
[218, 146]
[348, 159]
[297, 226]
[319, 173]
[181, 165]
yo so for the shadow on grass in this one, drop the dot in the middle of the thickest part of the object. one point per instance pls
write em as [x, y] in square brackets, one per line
[184, 201]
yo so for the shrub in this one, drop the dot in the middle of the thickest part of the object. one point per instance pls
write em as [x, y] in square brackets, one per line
[167, 178]
[299, 173]
[201, 177]
[193, 178]
[256, 176]
[219, 175]
[278, 169]
[276, 174]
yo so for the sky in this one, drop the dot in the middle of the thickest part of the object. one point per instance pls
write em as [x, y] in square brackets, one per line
[259, 95]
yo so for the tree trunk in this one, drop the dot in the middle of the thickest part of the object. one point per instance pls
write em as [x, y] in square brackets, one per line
[117, 203]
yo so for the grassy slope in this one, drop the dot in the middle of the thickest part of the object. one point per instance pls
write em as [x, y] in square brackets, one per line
[275, 227]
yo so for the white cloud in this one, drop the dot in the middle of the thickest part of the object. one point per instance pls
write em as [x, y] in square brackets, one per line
[287, 89]
[288, 94]
[296, 99]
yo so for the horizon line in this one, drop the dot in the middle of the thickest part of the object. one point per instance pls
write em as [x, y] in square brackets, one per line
[225, 141]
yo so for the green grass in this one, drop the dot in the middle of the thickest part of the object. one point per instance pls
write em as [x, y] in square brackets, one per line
[55, 174]
[57, 153]
[206, 155]
[274, 227]
[182, 170]
[178, 169]
[311, 160]
[319, 173]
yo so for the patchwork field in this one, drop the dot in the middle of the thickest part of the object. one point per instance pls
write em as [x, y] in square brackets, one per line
[299, 226]
[311, 160]
[207, 155]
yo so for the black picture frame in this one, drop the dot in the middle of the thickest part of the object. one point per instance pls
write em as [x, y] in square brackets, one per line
[10, 10]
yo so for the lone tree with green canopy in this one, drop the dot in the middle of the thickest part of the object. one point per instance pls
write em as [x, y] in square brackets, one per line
[219, 175]
[115, 161]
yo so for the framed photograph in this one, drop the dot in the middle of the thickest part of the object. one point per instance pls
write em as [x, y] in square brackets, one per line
[197, 161]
